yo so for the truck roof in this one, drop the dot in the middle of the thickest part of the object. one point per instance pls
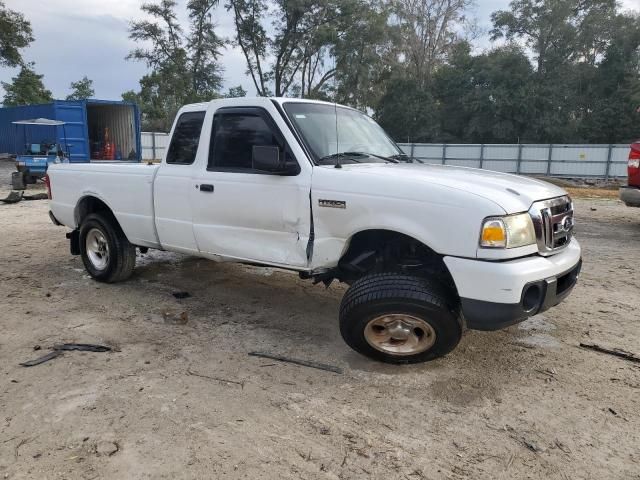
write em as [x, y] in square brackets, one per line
[253, 100]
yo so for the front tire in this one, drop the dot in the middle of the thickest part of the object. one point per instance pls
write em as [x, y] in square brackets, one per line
[396, 318]
[106, 253]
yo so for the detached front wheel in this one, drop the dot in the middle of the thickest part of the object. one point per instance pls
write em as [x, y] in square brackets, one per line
[106, 253]
[398, 318]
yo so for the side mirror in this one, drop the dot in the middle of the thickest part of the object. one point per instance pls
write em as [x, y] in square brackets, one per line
[267, 159]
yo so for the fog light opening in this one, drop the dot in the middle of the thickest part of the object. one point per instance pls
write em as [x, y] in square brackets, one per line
[531, 298]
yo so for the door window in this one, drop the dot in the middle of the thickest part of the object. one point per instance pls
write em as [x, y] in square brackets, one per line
[186, 137]
[233, 137]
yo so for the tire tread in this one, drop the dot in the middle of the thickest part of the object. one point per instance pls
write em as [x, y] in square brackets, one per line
[124, 252]
[376, 289]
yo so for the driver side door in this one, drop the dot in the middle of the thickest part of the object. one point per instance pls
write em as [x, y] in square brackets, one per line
[242, 213]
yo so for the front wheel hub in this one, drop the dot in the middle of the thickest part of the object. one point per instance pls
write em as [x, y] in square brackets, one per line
[399, 334]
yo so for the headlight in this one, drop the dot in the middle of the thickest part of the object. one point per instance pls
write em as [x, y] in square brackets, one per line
[508, 232]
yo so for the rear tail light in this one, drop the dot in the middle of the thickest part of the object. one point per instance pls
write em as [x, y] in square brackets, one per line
[633, 167]
[47, 182]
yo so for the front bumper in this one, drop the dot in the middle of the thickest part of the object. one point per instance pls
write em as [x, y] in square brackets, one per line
[630, 196]
[495, 295]
[536, 298]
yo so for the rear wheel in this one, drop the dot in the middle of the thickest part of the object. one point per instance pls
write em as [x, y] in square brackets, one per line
[398, 318]
[106, 253]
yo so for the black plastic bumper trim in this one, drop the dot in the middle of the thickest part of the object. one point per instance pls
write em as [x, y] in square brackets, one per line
[482, 315]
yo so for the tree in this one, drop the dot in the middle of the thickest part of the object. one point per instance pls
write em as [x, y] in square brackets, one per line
[308, 48]
[425, 35]
[236, 92]
[408, 112]
[81, 90]
[557, 31]
[26, 88]
[365, 55]
[581, 79]
[15, 34]
[160, 97]
[485, 98]
[184, 67]
[611, 96]
[276, 55]
[429, 30]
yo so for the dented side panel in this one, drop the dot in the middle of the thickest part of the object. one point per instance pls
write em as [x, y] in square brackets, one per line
[249, 216]
[257, 217]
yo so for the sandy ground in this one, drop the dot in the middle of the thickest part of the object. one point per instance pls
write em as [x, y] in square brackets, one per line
[186, 401]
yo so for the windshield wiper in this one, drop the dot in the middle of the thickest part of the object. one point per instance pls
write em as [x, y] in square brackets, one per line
[388, 159]
[351, 155]
[343, 154]
[403, 157]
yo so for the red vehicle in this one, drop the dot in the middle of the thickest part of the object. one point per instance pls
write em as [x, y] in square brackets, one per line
[630, 194]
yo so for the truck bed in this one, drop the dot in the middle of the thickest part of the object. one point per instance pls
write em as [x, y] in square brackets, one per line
[127, 189]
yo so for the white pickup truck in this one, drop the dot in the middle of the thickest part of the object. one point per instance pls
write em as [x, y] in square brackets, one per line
[320, 189]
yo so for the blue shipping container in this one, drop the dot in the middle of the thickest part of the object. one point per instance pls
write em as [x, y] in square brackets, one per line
[86, 121]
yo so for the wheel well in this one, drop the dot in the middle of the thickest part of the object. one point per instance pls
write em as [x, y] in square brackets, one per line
[88, 205]
[373, 251]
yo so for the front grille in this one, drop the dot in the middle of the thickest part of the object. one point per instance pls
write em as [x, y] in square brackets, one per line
[553, 223]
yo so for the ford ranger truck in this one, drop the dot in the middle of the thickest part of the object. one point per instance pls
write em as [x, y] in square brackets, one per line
[320, 189]
[630, 194]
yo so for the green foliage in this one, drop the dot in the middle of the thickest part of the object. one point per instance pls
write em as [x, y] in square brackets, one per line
[184, 66]
[584, 85]
[407, 111]
[15, 34]
[236, 92]
[429, 30]
[81, 90]
[485, 97]
[323, 49]
[26, 88]
[365, 55]
[559, 70]
[557, 31]
[611, 96]
[161, 95]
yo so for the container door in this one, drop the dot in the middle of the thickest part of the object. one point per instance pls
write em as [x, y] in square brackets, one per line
[75, 114]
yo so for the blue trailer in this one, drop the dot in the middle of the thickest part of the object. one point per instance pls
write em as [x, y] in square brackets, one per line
[86, 123]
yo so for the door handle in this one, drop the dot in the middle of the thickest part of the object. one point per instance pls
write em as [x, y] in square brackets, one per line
[206, 187]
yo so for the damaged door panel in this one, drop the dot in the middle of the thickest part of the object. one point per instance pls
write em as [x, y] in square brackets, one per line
[258, 209]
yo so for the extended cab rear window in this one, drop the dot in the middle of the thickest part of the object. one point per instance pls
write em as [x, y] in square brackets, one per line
[186, 136]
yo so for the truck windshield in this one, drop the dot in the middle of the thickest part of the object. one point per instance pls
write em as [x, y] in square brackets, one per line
[359, 138]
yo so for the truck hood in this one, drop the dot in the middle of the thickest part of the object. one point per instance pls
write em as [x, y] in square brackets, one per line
[513, 193]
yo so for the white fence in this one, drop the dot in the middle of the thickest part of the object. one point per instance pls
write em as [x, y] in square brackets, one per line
[154, 145]
[558, 160]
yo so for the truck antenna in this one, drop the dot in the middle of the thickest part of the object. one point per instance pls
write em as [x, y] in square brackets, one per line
[337, 164]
